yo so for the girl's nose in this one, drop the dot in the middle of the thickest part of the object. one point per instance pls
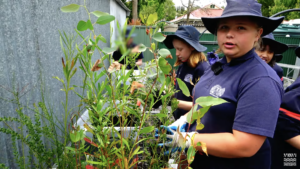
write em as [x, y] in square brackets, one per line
[229, 34]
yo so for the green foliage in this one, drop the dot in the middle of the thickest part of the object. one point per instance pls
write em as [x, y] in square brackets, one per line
[183, 87]
[271, 7]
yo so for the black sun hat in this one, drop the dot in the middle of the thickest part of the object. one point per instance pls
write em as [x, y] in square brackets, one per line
[278, 47]
[250, 8]
[187, 33]
[297, 51]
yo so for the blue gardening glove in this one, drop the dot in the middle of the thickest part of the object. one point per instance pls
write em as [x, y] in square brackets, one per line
[212, 57]
[178, 142]
[181, 123]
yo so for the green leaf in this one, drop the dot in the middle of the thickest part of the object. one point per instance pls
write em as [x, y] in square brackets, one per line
[161, 77]
[202, 111]
[183, 87]
[98, 163]
[142, 48]
[159, 37]
[192, 114]
[126, 143]
[70, 8]
[71, 148]
[191, 154]
[89, 25]
[153, 46]
[108, 88]
[160, 115]
[108, 50]
[100, 37]
[164, 52]
[82, 26]
[104, 19]
[147, 130]
[164, 65]
[99, 13]
[210, 101]
[152, 18]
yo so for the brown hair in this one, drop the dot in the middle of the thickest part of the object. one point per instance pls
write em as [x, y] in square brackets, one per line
[262, 47]
[193, 60]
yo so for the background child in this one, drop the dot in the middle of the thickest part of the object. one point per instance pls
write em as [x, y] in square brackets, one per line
[270, 51]
[190, 59]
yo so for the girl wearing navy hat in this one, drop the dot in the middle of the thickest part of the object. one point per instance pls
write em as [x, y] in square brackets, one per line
[190, 59]
[235, 132]
[286, 141]
[271, 51]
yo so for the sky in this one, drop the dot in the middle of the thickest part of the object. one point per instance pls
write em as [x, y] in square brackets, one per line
[201, 2]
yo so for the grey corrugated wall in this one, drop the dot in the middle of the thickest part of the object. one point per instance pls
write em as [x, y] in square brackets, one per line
[30, 52]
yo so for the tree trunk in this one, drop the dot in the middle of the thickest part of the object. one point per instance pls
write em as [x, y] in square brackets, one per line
[134, 10]
[188, 13]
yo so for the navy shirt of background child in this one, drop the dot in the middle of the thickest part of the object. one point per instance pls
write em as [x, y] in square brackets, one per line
[243, 84]
[287, 128]
[117, 55]
[188, 75]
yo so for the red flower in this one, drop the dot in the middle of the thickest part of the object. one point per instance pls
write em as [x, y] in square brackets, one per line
[90, 167]
[138, 103]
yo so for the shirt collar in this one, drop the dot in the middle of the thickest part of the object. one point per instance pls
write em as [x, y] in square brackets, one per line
[238, 60]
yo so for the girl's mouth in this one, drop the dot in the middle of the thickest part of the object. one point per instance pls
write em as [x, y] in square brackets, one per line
[229, 45]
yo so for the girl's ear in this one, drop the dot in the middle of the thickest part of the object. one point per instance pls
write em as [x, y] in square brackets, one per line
[191, 48]
[259, 32]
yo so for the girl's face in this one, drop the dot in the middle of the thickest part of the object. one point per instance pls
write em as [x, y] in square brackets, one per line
[183, 50]
[236, 36]
[265, 53]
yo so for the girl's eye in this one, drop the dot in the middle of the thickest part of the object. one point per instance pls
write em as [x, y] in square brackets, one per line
[223, 27]
[241, 28]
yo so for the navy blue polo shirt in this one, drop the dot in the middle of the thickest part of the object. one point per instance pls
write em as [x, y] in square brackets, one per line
[185, 73]
[117, 55]
[279, 71]
[253, 91]
[287, 128]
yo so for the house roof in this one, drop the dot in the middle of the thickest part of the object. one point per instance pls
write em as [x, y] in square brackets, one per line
[199, 13]
[123, 5]
[208, 6]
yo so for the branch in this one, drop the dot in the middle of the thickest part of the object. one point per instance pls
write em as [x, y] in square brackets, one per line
[184, 5]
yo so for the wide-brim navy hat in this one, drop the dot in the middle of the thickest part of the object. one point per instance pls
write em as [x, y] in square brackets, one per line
[128, 30]
[278, 47]
[241, 8]
[297, 51]
[189, 34]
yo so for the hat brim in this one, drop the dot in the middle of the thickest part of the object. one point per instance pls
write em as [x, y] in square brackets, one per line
[297, 52]
[278, 47]
[268, 24]
[278, 57]
[196, 45]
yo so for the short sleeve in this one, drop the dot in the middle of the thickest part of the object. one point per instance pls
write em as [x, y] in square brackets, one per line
[258, 106]
[141, 56]
[117, 55]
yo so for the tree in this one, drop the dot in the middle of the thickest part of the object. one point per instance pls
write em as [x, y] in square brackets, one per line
[265, 7]
[189, 8]
[281, 5]
[271, 7]
[180, 10]
[134, 9]
[165, 9]
[170, 10]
